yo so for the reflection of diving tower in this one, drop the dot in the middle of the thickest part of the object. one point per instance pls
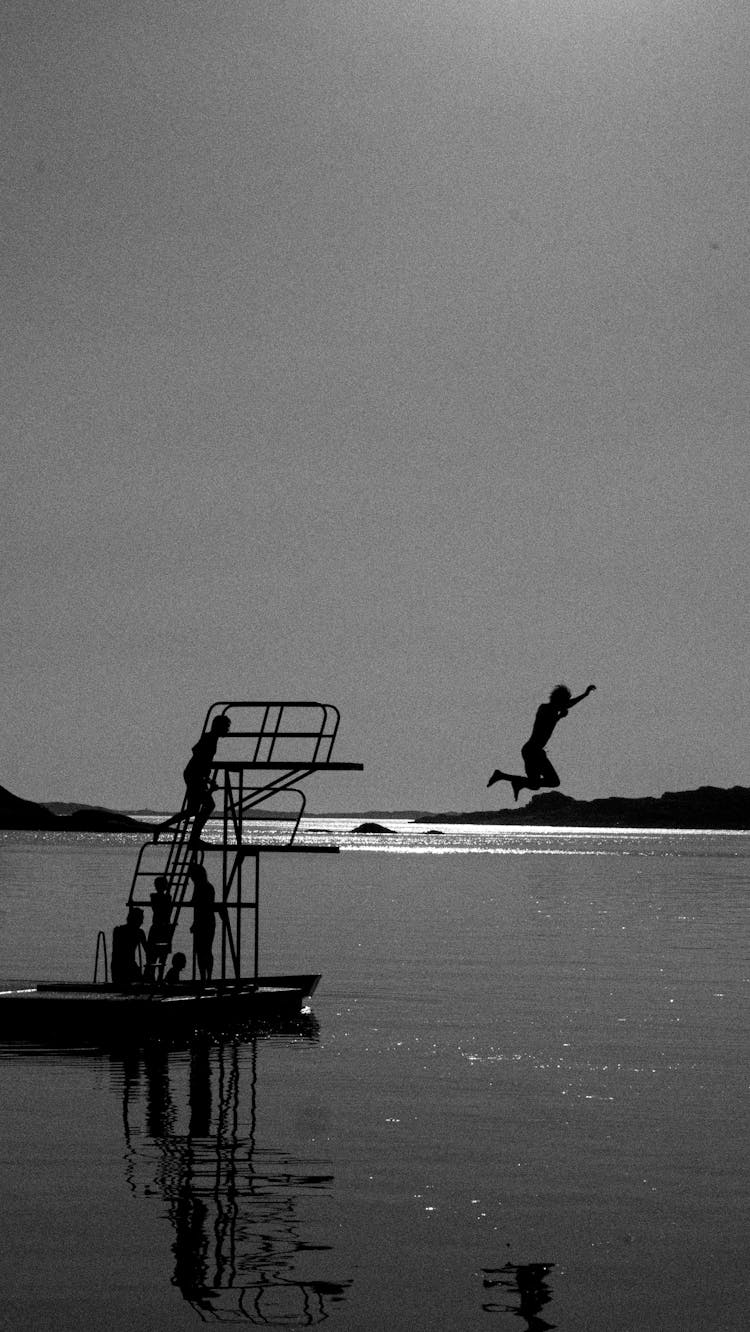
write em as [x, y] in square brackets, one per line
[253, 791]
[246, 1220]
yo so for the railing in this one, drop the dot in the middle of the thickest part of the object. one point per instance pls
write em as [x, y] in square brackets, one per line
[271, 724]
[101, 941]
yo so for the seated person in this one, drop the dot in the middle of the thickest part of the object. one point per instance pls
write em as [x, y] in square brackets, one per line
[126, 940]
[178, 964]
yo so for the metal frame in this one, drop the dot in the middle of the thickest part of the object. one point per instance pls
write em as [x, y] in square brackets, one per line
[280, 723]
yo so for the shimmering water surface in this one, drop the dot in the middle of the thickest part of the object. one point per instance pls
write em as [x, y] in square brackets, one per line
[519, 1102]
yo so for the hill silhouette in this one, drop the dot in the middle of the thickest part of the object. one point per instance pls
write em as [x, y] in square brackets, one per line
[710, 807]
[17, 813]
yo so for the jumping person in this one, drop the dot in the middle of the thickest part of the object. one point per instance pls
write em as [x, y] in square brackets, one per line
[539, 770]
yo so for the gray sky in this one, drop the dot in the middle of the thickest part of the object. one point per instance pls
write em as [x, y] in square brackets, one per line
[390, 354]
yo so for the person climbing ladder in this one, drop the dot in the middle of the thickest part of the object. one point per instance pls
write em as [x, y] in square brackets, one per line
[199, 788]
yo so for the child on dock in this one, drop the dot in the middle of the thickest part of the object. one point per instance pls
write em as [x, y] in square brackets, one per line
[160, 933]
[178, 964]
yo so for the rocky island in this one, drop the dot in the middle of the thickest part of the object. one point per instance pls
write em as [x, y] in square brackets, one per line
[710, 807]
[17, 813]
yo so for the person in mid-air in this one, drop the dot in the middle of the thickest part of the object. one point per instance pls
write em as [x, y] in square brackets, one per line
[539, 770]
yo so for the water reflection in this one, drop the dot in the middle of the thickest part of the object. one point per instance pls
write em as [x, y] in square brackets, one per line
[240, 1255]
[526, 1281]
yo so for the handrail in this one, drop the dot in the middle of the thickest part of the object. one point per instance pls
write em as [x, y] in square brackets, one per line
[101, 938]
[276, 726]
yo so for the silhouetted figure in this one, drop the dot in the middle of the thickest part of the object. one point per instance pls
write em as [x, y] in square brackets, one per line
[199, 787]
[199, 1092]
[177, 965]
[539, 770]
[203, 927]
[527, 1280]
[160, 933]
[126, 940]
[161, 1111]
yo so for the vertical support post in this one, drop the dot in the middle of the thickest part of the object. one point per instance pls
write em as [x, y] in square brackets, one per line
[238, 927]
[227, 787]
[101, 940]
[257, 916]
[239, 839]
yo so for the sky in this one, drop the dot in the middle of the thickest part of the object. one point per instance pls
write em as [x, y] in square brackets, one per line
[393, 355]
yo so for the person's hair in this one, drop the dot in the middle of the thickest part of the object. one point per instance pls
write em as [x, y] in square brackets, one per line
[220, 724]
[179, 960]
[560, 694]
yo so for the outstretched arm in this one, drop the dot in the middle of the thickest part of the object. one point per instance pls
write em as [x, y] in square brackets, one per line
[580, 698]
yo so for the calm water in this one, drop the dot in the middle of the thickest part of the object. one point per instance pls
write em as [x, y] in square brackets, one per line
[527, 1049]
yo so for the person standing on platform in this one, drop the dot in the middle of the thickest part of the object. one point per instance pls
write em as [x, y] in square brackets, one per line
[203, 927]
[160, 933]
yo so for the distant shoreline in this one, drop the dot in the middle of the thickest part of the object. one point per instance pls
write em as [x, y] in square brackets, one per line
[712, 808]
[31, 815]
[709, 808]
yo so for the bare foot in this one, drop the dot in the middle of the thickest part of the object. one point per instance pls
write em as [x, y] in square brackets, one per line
[517, 787]
[497, 776]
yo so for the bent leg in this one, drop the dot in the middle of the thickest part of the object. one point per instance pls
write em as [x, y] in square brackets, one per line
[549, 777]
[192, 804]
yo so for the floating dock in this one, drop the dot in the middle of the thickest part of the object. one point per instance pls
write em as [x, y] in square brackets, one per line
[256, 755]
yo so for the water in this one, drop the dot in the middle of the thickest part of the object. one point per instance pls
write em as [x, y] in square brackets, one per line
[527, 1049]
